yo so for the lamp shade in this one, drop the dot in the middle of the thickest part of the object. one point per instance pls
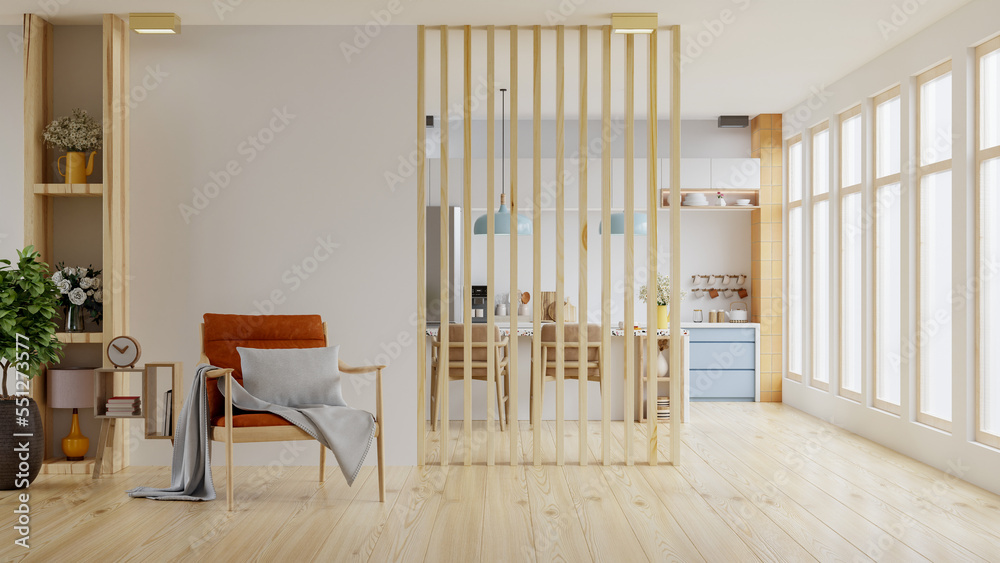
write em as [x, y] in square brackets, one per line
[501, 224]
[71, 388]
[618, 224]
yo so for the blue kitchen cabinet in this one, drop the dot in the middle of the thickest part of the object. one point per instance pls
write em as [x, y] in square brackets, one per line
[723, 363]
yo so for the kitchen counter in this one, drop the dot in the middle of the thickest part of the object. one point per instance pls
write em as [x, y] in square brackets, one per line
[719, 325]
[529, 330]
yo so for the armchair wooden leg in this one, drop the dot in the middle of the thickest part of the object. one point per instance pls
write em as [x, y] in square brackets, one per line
[381, 435]
[322, 463]
[229, 468]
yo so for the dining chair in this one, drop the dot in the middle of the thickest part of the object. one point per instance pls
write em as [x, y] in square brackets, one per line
[480, 355]
[593, 362]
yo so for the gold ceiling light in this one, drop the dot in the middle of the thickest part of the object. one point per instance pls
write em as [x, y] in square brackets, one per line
[155, 23]
[633, 23]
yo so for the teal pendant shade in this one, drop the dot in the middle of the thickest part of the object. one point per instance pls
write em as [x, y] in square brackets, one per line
[618, 224]
[501, 222]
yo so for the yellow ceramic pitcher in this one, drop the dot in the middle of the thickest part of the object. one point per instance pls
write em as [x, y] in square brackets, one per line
[77, 167]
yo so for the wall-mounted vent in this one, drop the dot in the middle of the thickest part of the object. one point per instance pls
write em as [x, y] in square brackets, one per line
[733, 121]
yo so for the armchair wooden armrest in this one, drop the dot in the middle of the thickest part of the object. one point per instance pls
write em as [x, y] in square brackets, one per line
[217, 373]
[359, 369]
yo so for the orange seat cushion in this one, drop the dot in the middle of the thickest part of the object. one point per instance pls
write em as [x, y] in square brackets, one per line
[224, 333]
[252, 419]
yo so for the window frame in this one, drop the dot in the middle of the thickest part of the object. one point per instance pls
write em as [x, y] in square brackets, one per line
[879, 182]
[920, 172]
[815, 200]
[982, 155]
[843, 192]
[789, 206]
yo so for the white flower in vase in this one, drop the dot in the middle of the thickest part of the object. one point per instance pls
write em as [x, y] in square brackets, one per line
[64, 286]
[77, 296]
[86, 283]
[82, 272]
[67, 271]
[99, 296]
[95, 283]
[57, 277]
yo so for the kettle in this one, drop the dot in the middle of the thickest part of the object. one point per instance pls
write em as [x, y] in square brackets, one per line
[737, 315]
[77, 166]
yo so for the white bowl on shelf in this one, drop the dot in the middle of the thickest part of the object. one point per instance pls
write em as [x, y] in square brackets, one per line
[743, 202]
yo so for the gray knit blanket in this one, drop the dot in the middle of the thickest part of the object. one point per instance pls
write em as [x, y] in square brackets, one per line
[348, 432]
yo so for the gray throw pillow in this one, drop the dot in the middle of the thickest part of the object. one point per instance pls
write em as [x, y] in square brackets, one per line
[293, 377]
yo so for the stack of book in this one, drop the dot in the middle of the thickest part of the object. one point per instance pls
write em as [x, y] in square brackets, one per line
[123, 406]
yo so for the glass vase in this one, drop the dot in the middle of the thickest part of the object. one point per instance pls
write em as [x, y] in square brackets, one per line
[74, 318]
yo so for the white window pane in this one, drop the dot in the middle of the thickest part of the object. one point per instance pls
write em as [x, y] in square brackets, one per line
[887, 138]
[795, 290]
[795, 172]
[821, 162]
[887, 289]
[989, 99]
[935, 120]
[852, 315]
[821, 291]
[850, 168]
[935, 295]
[990, 274]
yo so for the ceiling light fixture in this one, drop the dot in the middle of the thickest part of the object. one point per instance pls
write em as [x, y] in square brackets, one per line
[634, 23]
[162, 23]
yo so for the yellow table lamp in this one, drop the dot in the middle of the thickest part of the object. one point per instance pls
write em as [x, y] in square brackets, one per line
[72, 388]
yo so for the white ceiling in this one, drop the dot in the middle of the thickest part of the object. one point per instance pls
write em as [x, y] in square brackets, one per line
[765, 59]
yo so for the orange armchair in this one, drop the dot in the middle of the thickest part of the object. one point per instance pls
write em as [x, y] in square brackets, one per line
[221, 335]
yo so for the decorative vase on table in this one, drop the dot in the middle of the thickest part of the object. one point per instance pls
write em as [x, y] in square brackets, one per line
[74, 318]
[662, 316]
[77, 167]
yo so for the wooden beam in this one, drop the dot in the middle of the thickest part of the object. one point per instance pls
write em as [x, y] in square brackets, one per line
[605, 243]
[676, 339]
[582, 344]
[467, 242]
[512, 413]
[560, 243]
[629, 296]
[652, 255]
[443, 355]
[421, 251]
[490, 241]
[536, 339]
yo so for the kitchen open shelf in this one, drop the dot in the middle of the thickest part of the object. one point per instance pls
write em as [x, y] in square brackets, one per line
[70, 190]
[80, 337]
[751, 193]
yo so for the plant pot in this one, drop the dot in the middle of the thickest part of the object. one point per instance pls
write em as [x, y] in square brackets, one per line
[77, 167]
[74, 318]
[662, 316]
[22, 457]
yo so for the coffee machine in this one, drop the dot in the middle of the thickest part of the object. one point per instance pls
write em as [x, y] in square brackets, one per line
[479, 304]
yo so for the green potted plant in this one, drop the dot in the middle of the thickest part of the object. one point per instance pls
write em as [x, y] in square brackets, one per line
[28, 308]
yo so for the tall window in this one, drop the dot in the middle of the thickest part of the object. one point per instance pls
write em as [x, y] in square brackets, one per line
[988, 165]
[888, 232]
[795, 257]
[851, 255]
[934, 306]
[820, 299]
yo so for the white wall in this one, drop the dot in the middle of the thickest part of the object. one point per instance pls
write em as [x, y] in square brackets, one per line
[950, 38]
[320, 178]
[11, 142]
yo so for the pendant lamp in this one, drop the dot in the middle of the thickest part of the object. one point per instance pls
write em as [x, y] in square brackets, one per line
[618, 221]
[501, 219]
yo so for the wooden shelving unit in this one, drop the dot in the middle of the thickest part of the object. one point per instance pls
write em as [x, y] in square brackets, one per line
[40, 192]
[752, 194]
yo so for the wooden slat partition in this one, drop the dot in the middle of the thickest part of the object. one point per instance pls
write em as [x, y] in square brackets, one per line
[652, 204]
[490, 236]
[675, 240]
[467, 245]
[629, 296]
[536, 339]
[560, 243]
[512, 372]
[605, 242]
[582, 344]
[444, 352]
[421, 252]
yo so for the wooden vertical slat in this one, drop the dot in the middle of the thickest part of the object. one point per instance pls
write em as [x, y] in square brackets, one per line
[675, 243]
[37, 36]
[490, 226]
[560, 243]
[467, 245]
[605, 242]
[445, 352]
[536, 339]
[421, 252]
[629, 337]
[512, 414]
[582, 344]
[652, 206]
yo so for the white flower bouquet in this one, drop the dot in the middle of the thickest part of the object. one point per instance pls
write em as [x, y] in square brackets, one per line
[76, 133]
[662, 291]
[81, 287]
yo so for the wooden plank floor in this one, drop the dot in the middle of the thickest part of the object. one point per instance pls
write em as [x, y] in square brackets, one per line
[759, 482]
